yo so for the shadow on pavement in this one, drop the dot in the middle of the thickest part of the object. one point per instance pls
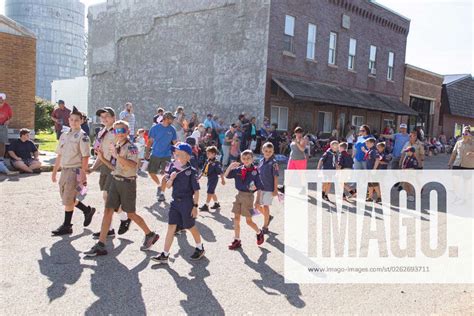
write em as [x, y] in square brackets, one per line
[62, 266]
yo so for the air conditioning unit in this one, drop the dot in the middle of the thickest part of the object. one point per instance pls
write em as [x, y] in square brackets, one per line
[373, 71]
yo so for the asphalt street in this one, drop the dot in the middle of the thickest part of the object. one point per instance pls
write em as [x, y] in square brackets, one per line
[44, 275]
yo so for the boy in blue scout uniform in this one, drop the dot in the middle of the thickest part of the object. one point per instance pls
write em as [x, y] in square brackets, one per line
[105, 139]
[268, 169]
[328, 161]
[247, 181]
[123, 190]
[183, 208]
[212, 170]
[73, 157]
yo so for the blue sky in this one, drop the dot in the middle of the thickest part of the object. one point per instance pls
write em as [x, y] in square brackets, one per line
[441, 33]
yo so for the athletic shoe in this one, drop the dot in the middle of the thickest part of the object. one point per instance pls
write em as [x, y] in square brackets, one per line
[198, 254]
[88, 216]
[326, 198]
[162, 258]
[216, 206]
[62, 230]
[379, 200]
[110, 234]
[95, 251]
[161, 198]
[265, 230]
[204, 208]
[124, 226]
[235, 244]
[150, 241]
[260, 238]
[369, 200]
[158, 192]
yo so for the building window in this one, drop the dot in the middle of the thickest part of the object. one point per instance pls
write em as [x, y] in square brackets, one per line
[357, 121]
[279, 115]
[289, 33]
[352, 54]
[325, 122]
[372, 59]
[391, 58]
[332, 48]
[311, 50]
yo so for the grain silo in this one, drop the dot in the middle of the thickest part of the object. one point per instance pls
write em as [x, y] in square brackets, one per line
[59, 29]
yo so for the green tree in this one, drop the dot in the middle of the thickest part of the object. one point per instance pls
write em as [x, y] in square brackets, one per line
[43, 110]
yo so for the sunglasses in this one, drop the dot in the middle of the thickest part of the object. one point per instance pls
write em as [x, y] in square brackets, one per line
[120, 130]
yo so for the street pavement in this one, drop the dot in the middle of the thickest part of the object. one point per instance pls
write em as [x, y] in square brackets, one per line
[44, 275]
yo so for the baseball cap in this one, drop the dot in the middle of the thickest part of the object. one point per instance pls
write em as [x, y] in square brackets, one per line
[168, 115]
[106, 109]
[183, 147]
[191, 141]
[403, 126]
[410, 148]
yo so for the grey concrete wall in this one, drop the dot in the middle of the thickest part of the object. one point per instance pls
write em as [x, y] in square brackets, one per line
[207, 55]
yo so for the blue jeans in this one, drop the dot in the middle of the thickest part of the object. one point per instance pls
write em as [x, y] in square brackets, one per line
[360, 165]
[3, 168]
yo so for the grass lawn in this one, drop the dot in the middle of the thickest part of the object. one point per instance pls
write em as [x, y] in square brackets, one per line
[46, 140]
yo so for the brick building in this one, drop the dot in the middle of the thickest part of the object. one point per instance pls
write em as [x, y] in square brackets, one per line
[18, 71]
[457, 104]
[319, 63]
[422, 92]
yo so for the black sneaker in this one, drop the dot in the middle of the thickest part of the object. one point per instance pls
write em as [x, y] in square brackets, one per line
[369, 200]
[260, 238]
[326, 198]
[162, 258]
[161, 197]
[216, 206]
[265, 230]
[124, 226]
[88, 216]
[204, 208]
[110, 234]
[97, 250]
[379, 201]
[150, 241]
[198, 254]
[62, 230]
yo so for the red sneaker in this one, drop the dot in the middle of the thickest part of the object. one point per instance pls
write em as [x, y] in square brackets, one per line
[260, 238]
[235, 244]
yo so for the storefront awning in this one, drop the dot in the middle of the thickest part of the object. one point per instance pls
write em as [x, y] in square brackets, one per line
[341, 96]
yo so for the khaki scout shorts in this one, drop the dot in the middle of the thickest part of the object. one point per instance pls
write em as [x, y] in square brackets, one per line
[158, 164]
[243, 204]
[122, 193]
[105, 178]
[68, 185]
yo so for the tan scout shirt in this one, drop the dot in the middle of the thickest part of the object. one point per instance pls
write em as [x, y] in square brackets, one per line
[130, 152]
[460, 150]
[106, 140]
[73, 146]
[419, 151]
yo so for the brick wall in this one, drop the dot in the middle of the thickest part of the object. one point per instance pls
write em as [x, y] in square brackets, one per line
[17, 77]
[426, 85]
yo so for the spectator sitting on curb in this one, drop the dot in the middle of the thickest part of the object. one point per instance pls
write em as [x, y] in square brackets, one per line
[24, 153]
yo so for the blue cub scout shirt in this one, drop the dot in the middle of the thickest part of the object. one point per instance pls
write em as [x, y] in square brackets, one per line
[383, 157]
[345, 161]
[329, 159]
[410, 163]
[268, 170]
[251, 177]
[214, 169]
[185, 183]
[371, 156]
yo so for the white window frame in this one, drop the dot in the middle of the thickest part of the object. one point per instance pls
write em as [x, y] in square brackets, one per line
[372, 58]
[311, 44]
[277, 120]
[332, 48]
[290, 23]
[352, 53]
[391, 62]
[327, 118]
[354, 123]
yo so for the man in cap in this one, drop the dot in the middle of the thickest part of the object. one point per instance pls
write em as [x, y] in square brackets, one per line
[73, 158]
[160, 140]
[399, 141]
[6, 115]
[60, 117]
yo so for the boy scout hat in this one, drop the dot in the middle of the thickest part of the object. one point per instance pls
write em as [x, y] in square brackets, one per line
[75, 111]
[183, 147]
[106, 109]
[411, 148]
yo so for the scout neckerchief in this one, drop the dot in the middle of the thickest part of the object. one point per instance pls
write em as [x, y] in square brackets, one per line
[206, 168]
[118, 148]
[246, 170]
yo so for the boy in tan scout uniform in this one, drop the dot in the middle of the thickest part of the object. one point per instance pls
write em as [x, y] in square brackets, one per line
[105, 139]
[123, 190]
[73, 157]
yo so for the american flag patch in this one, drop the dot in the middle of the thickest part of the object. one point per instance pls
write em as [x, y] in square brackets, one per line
[133, 149]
